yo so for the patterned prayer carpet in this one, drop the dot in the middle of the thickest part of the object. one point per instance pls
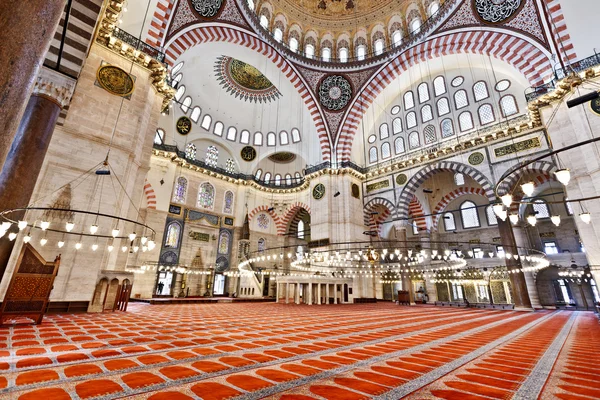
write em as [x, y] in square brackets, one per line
[297, 352]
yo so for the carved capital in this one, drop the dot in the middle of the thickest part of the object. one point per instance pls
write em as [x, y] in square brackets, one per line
[54, 86]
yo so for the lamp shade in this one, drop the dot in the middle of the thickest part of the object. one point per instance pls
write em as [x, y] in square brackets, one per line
[532, 220]
[528, 188]
[585, 217]
[514, 218]
[563, 176]
[507, 199]
[555, 219]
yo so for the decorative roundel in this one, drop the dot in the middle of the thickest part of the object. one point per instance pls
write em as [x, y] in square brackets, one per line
[184, 125]
[456, 82]
[355, 191]
[476, 158]
[595, 106]
[318, 191]
[401, 179]
[395, 110]
[497, 11]
[248, 153]
[502, 85]
[169, 257]
[115, 80]
[372, 139]
[207, 8]
[221, 264]
[335, 92]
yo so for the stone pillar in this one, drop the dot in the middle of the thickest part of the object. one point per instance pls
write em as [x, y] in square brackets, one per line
[297, 297]
[310, 292]
[406, 282]
[318, 293]
[335, 297]
[287, 293]
[27, 29]
[521, 240]
[277, 293]
[517, 279]
[327, 293]
[52, 92]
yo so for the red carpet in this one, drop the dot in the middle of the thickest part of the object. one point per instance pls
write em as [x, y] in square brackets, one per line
[220, 351]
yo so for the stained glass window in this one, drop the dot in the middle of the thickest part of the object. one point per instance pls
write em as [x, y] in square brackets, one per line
[468, 212]
[397, 125]
[230, 166]
[439, 86]
[411, 119]
[426, 113]
[480, 91]
[224, 242]
[486, 114]
[190, 151]
[373, 154]
[413, 140]
[228, 202]
[465, 120]
[508, 105]
[429, 134]
[447, 128]
[206, 195]
[385, 151]
[212, 156]
[262, 245]
[460, 99]
[180, 190]
[423, 91]
[263, 221]
[491, 215]
[172, 236]
[399, 145]
[384, 131]
[540, 209]
[409, 100]
[443, 106]
[397, 38]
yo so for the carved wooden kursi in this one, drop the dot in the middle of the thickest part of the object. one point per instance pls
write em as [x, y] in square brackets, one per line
[30, 287]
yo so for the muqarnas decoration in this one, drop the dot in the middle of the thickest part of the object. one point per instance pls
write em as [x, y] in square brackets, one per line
[244, 81]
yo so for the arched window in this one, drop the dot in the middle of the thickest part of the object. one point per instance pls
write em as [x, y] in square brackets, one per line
[411, 120]
[288, 179]
[245, 137]
[480, 91]
[264, 21]
[508, 104]
[277, 179]
[206, 195]
[415, 228]
[459, 179]
[224, 237]
[361, 52]
[180, 190]
[271, 140]
[172, 236]
[469, 215]
[218, 129]
[397, 38]
[267, 177]
[278, 34]
[491, 215]
[284, 138]
[399, 145]
[378, 47]
[384, 131]
[373, 155]
[413, 140]
[426, 113]
[250, 4]
[262, 245]
[300, 230]
[568, 207]
[176, 80]
[298, 177]
[190, 151]
[228, 202]
[294, 44]
[230, 165]
[443, 106]
[177, 68]
[196, 114]
[212, 156]
[185, 106]
[460, 99]
[423, 90]
[429, 134]
[433, 8]
[465, 121]
[159, 136]
[486, 114]
[258, 174]
[447, 128]
[343, 53]
[409, 100]
[415, 25]
[449, 223]
[540, 209]
[295, 135]
[439, 86]
[309, 51]
[206, 121]
[258, 139]
[397, 125]
[326, 54]
[179, 93]
[231, 133]
[385, 151]
[263, 221]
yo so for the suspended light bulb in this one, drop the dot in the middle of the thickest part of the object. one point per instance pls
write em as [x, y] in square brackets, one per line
[2, 232]
[507, 199]
[94, 247]
[124, 249]
[144, 249]
[5, 226]
[115, 232]
[61, 244]
[12, 236]
[44, 225]
[151, 244]
[93, 229]
[136, 248]
[69, 226]
[132, 236]
[514, 218]
[498, 208]
[563, 176]
[528, 188]
[27, 238]
[503, 215]
[585, 217]
[143, 240]
[77, 245]
[22, 225]
[532, 220]
[555, 219]
[43, 241]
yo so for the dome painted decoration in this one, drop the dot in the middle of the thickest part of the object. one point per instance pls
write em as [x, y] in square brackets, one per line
[335, 92]
[244, 81]
[282, 157]
[207, 8]
[497, 11]
[476, 158]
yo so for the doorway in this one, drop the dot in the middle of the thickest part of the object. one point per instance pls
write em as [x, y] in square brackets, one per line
[163, 286]
[219, 285]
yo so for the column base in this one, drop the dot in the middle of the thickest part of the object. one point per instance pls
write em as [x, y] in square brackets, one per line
[524, 309]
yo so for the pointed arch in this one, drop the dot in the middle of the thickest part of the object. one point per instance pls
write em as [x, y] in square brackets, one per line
[415, 209]
[265, 209]
[150, 196]
[289, 216]
[373, 219]
[449, 197]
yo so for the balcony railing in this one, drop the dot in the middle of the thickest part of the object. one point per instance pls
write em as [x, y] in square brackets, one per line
[137, 44]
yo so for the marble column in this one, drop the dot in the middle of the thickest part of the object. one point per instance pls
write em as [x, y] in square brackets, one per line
[27, 30]
[327, 293]
[521, 239]
[335, 298]
[520, 294]
[51, 93]
[297, 301]
[406, 282]
[287, 293]
[310, 293]
[277, 293]
[318, 293]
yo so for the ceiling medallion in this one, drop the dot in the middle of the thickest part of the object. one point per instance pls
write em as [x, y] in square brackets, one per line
[207, 8]
[244, 81]
[497, 11]
[335, 92]
[248, 153]
[283, 157]
[476, 158]
[115, 80]
[184, 125]
[401, 179]
[318, 191]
